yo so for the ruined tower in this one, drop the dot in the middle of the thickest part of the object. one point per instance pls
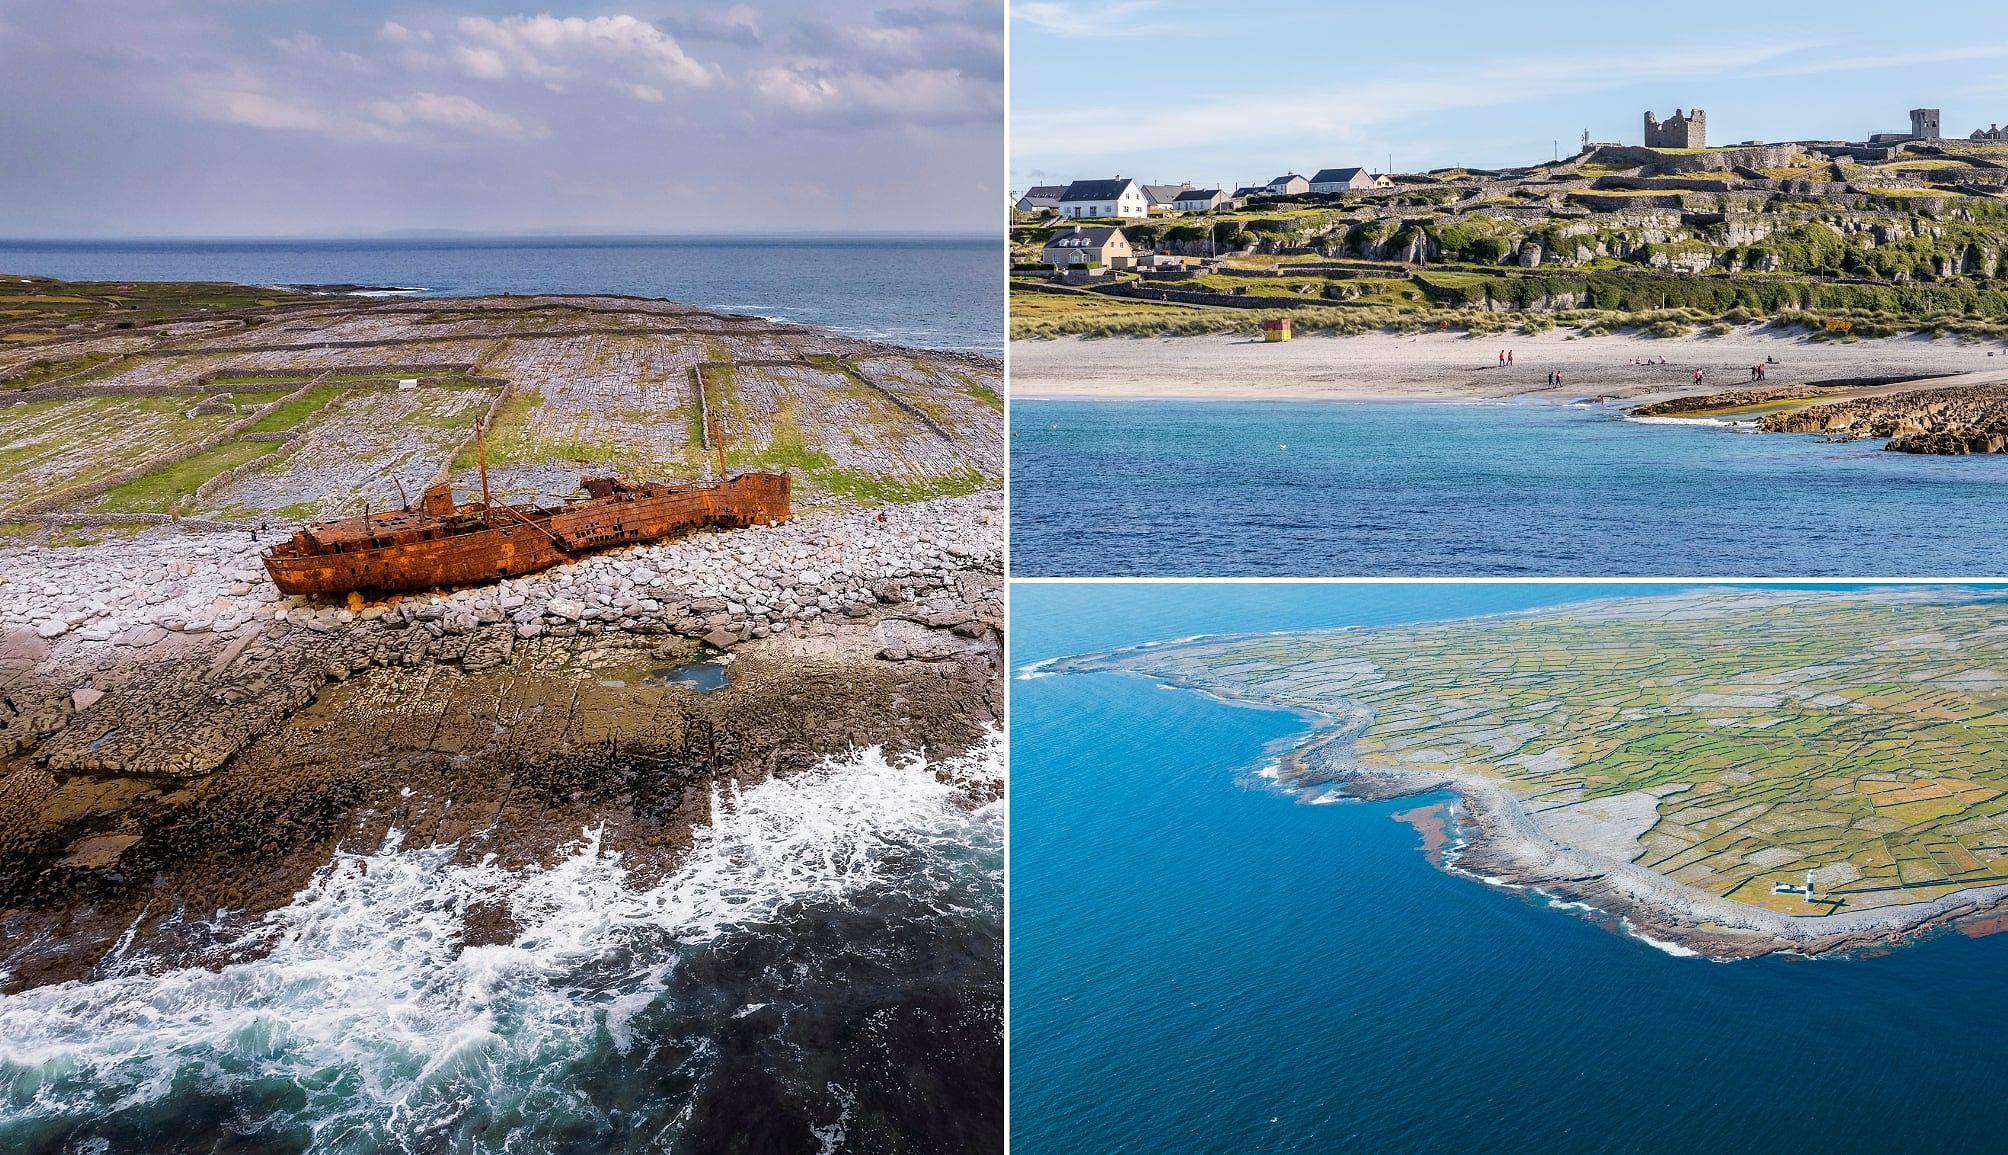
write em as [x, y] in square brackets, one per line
[1682, 130]
[1924, 124]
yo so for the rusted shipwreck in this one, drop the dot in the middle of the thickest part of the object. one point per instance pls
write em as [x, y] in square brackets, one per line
[445, 544]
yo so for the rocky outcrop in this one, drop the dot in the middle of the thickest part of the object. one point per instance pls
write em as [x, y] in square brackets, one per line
[1952, 420]
[1726, 399]
[174, 734]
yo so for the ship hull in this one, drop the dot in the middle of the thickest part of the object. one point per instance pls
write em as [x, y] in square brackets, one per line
[514, 541]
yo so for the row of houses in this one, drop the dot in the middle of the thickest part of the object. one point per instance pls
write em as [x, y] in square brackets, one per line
[1125, 198]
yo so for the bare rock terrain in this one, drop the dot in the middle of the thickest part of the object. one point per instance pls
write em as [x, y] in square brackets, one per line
[179, 737]
[1953, 420]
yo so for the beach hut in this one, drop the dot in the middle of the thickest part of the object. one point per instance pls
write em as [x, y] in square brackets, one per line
[1276, 329]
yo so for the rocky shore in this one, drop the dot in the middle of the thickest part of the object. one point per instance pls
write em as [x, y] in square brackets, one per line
[1499, 841]
[178, 739]
[1950, 420]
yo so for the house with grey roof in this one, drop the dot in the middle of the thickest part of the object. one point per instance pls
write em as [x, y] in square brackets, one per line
[1041, 198]
[1338, 180]
[1161, 196]
[1088, 248]
[1117, 197]
[1287, 185]
[1201, 200]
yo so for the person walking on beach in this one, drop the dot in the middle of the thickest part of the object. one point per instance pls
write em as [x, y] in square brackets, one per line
[1697, 376]
[1509, 356]
[1502, 358]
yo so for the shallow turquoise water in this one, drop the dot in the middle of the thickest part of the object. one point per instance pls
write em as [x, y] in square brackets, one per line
[1201, 964]
[1316, 489]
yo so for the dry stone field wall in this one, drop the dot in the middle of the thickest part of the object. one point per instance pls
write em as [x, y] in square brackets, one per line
[356, 456]
[567, 385]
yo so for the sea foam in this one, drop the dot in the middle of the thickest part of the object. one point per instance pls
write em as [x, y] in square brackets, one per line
[388, 1029]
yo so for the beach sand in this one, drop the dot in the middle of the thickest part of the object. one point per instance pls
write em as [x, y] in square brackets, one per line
[1454, 367]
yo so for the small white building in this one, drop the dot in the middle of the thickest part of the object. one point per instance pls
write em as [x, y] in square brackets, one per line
[1041, 197]
[1338, 180]
[1160, 197]
[1200, 200]
[1117, 197]
[1288, 185]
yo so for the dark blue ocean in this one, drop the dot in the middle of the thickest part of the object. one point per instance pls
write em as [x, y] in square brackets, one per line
[1200, 964]
[934, 292]
[1314, 489]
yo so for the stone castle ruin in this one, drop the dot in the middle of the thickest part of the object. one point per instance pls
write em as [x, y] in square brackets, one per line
[1680, 130]
[1923, 126]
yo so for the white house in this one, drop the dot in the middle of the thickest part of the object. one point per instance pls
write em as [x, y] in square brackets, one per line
[1200, 200]
[1160, 196]
[1288, 185]
[1120, 197]
[1338, 180]
[1040, 197]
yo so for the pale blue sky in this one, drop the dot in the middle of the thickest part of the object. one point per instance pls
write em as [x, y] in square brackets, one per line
[263, 117]
[1208, 91]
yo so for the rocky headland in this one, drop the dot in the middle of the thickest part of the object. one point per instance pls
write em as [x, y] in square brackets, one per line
[182, 746]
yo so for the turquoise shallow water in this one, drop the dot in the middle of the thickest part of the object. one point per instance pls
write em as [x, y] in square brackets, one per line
[1201, 964]
[1316, 489]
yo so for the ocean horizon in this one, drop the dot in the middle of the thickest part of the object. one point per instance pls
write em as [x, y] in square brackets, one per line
[935, 291]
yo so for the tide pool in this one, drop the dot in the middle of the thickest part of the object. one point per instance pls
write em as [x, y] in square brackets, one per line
[1200, 963]
[1312, 489]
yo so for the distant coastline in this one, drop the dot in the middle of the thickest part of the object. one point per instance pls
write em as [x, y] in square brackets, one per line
[933, 292]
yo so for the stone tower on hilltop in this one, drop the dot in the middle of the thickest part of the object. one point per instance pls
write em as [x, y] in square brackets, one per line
[1680, 130]
[1924, 124]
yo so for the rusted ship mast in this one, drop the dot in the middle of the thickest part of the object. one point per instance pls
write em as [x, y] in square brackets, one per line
[442, 543]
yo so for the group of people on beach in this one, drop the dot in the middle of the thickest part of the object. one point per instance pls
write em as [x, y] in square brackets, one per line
[1648, 361]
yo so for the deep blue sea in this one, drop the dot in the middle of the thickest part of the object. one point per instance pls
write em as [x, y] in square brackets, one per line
[934, 292]
[1315, 489]
[1201, 964]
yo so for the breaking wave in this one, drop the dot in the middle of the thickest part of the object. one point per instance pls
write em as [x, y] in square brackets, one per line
[614, 1013]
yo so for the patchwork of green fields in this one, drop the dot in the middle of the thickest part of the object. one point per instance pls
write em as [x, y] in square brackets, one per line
[1761, 734]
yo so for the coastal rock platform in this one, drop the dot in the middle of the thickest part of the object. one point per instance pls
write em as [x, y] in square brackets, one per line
[178, 737]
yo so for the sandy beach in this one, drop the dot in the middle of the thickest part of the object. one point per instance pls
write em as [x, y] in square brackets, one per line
[1456, 367]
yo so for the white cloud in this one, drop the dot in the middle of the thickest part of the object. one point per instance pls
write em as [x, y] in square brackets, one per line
[738, 24]
[394, 33]
[551, 48]
[308, 47]
[821, 88]
[454, 113]
[1081, 18]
